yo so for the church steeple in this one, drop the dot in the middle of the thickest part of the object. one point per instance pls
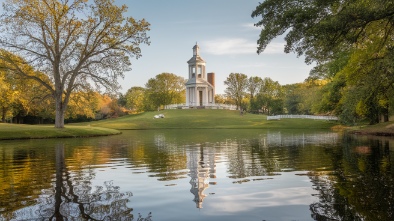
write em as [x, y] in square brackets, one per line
[197, 64]
[196, 49]
[200, 89]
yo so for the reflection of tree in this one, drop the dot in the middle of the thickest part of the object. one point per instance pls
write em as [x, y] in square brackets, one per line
[269, 154]
[251, 158]
[362, 185]
[19, 180]
[165, 160]
[73, 198]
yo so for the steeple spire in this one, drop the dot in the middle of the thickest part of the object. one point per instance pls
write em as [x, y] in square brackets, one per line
[196, 48]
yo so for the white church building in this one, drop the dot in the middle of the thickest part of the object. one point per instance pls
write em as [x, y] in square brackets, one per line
[200, 87]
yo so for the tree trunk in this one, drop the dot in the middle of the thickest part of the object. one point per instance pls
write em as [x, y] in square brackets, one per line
[386, 114]
[386, 117]
[59, 118]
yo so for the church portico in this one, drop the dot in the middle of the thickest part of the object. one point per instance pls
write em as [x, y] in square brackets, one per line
[200, 87]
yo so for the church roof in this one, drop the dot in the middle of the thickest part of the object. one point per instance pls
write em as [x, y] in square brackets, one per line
[198, 81]
[196, 59]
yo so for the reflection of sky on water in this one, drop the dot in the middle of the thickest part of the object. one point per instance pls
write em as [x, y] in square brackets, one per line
[286, 189]
[225, 180]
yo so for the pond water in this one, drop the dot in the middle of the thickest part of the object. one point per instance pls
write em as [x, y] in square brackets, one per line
[199, 175]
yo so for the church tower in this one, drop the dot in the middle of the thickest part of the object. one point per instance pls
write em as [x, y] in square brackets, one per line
[200, 88]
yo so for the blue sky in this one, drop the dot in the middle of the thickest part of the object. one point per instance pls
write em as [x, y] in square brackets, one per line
[225, 33]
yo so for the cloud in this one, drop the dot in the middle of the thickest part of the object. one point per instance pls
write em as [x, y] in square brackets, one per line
[236, 46]
[275, 48]
[223, 46]
[251, 26]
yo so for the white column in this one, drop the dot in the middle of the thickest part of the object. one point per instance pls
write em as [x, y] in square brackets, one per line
[213, 95]
[205, 101]
[190, 96]
[187, 96]
[196, 99]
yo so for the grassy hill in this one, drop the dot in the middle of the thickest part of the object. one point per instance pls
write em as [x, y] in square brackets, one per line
[180, 119]
[204, 118]
[174, 119]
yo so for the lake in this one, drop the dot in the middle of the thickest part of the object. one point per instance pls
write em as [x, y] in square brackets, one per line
[205, 175]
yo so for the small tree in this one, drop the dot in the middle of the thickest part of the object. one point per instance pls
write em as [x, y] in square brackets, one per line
[237, 84]
[135, 97]
[164, 89]
[254, 85]
[76, 43]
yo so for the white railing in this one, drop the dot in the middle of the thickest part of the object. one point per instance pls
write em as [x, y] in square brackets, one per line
[205, 106]
[278, 117]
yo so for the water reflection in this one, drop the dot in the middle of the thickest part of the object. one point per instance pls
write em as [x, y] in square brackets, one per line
[225, 174]
[72, 197]
[201, 164]
[361, 187]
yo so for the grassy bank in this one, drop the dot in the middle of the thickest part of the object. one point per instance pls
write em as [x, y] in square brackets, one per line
[203, 118]
[381, 129]
[21, 131]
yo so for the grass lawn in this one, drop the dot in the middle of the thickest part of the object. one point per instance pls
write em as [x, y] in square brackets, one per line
[205, 118]
[22, 131]
[381, 129]
[174, 119]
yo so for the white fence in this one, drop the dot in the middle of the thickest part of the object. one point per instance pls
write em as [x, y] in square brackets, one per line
[278, 117]
[207, 106]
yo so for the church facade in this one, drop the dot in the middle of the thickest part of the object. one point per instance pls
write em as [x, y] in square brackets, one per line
[200, 87]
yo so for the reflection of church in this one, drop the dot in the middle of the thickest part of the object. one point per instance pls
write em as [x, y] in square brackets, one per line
[201, 164]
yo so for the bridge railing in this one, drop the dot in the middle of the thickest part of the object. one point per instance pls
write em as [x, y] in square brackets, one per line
[204, 106]
[314, 117]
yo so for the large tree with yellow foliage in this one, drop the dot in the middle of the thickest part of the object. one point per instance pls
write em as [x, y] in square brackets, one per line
[76, 43]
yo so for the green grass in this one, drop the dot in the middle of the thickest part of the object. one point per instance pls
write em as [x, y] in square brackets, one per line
[22, 131]
[174, 119]
[204, 118]
[381, 129]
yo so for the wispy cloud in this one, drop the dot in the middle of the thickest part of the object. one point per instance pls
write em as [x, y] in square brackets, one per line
[229, 46]
[251, 26]
[275, 48]
[234, 46]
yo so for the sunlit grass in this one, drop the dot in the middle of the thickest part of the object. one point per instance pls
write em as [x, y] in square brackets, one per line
[22, 131]
[381, 129]
[203, 118]
[174, 119]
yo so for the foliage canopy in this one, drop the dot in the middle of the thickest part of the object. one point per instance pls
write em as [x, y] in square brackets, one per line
[76, 43]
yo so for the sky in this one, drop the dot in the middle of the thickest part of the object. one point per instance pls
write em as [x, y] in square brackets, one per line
[225, 33]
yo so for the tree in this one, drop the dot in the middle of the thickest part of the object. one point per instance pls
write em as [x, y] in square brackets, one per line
[164, 89]
[7, 97]
[254, 84]
[352, 39]
[316, 28]
[237, 84]
[32, 100]
[293, 98]
[135, 98]
[270, 97]
[370, 68]
[20, 97]
[82, 105]
[75, 43]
